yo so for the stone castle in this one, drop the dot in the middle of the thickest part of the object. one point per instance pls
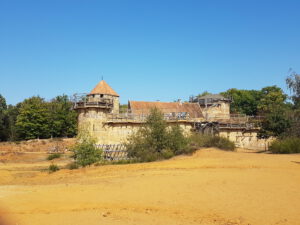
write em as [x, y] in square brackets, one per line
[99, 114]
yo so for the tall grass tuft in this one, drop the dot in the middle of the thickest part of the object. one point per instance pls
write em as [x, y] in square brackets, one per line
[53, 168]
[285, 146]
[201, 140]
[54, 156]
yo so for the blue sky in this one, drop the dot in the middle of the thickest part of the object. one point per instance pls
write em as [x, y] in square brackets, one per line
[146, 50]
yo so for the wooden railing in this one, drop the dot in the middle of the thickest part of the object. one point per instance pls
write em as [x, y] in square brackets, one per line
[102, 103]
[123, 117]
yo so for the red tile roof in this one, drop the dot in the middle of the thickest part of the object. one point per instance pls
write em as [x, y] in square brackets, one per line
[140, 107]
[103, 88]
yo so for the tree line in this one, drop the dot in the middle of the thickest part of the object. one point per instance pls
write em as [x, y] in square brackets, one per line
[36, 118]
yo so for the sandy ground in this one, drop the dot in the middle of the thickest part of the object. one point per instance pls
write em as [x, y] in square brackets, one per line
[209, 187]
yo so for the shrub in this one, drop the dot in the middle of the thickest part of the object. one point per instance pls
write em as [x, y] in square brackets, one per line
[53, 156]
[167, 153]
[85, 150]
[53, 168]
[285, 146]
[155, 141]
[178, 143]
[200, 140]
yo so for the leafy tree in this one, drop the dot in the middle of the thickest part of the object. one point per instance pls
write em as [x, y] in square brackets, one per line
[12, 113]
[156, 130]
[293, 83]
[273, 106]
[178, 143]
[3, 126]
[33, 119]
[276, 123]
[63, 120]
[244, 101]
[155, 140]
[272, 98]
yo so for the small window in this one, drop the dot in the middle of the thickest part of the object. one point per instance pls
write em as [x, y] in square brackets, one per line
[101, 96]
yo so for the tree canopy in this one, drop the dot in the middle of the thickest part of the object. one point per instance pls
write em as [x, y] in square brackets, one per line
[37, 118]
[243, 101]
[3, 108]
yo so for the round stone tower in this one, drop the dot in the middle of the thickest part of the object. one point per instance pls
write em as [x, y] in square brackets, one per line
[94, 109]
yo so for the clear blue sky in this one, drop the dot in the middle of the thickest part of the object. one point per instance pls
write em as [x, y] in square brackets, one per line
[146, 50]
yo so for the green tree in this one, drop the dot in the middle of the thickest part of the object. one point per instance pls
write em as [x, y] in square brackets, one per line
[155, 140]
[275, 124]
[178, 143]
[3, 123]
[63, 120]
[244, 101]
[272, 98]
[156, 130]
[12, 113]
[33, 119]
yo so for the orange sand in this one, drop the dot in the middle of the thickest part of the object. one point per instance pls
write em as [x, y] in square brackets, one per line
[210, 187]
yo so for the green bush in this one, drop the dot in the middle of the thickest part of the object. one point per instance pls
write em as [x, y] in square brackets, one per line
[155, 140]
[54, 156]
[200, 140]
[285, 146]
[178, 143]
[53, 168]
[85, 150]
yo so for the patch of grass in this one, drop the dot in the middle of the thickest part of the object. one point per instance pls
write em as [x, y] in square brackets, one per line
[199, 140]
[117, 162]
[53, 156]
[53, 168]
[72, 166]
[125, 161]
[285, 146]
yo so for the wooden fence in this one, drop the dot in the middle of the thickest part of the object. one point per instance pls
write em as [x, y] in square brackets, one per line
[114, 151]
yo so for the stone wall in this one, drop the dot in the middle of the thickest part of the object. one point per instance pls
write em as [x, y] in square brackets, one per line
[116, 133]
[95, 122]
[246, 139]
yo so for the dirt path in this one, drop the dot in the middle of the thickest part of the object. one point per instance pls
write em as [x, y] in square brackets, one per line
[210, 187]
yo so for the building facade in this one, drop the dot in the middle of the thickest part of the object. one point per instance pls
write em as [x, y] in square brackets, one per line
[98, 114]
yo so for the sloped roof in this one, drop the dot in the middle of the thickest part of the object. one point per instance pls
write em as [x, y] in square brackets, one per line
[140, 107]
[103, 88]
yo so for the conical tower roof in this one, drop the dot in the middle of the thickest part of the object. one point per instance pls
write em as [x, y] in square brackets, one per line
[103, 88]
